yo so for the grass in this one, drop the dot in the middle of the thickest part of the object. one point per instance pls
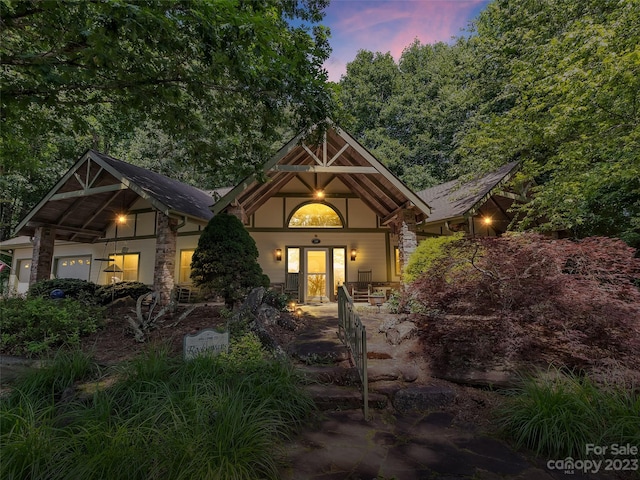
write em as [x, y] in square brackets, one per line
[211, 417]
[559, 413]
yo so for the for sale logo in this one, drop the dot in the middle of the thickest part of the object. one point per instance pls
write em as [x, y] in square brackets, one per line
[609, 458]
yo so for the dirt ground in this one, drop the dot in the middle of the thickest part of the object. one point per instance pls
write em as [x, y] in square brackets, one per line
[115, 341]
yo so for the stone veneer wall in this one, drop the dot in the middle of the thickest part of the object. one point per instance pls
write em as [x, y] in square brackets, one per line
[42, 256]
[407, 238]
[165, 263]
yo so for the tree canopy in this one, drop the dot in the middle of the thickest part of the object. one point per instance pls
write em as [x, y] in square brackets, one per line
[220, 78]
[553, 84]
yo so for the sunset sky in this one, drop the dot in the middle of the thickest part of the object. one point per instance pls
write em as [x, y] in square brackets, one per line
[391, 25]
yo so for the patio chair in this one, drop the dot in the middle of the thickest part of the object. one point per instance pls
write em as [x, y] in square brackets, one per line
[361, 289]
[291, 285]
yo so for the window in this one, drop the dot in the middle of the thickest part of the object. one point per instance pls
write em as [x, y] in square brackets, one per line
[315, 215]
[24, 271]
[396, 254]
[73, 267]
[128, 264]
[186, 256]
[293, 260]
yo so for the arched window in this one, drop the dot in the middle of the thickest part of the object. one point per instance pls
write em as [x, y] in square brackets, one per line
[315, 215]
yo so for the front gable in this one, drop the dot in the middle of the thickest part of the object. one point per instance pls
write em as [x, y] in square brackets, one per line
[337, 166]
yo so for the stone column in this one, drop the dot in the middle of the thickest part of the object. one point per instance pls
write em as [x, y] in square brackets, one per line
[42, 256]
[165, 264]
[238, 211]
[407, 238]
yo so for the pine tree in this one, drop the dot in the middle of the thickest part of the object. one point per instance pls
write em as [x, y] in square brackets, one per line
[226, 259]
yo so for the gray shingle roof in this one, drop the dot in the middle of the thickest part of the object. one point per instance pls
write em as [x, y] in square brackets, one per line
[454, 199]
[176, 195]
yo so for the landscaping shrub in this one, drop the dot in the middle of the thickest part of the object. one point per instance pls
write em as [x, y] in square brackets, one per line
[226, 260]
[72, 288]
[532, 298]
[276, 300]
[37, 325]
[559, 413]
[210, 417]
[108, 293]
[429, 251]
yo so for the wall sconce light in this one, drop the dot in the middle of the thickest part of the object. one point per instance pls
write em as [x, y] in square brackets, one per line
[353, 254]
[487, 220]
[278, 254]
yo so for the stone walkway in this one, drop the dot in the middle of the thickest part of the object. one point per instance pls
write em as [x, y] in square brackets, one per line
[392, 445]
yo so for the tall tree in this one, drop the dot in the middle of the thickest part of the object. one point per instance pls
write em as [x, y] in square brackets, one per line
[574, 82]
[220, 76]
[409, 113]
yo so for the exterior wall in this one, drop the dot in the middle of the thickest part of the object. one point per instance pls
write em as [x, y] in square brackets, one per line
[372, 253]
[374, 244]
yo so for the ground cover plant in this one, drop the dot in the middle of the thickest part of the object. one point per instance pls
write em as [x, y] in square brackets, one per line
[35, 325]
[160, 417]
[556, 413]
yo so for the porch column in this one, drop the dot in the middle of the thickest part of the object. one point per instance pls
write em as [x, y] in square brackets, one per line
[165, 264]
[42, 256]
[407, 238]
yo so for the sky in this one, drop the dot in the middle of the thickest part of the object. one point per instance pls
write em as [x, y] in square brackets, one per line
[391, 26]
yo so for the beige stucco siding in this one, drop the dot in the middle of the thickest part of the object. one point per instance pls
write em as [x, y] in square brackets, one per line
[270, 215]
[360, 216]
[371, 250]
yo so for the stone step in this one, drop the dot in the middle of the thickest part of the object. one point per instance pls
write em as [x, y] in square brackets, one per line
[335, 397]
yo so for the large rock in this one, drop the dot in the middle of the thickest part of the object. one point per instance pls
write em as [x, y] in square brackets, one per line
[400, 332]
[268, 315]
[419, 399]
[253, 300]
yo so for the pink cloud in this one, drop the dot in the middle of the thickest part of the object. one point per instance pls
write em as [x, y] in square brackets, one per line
[392, 25]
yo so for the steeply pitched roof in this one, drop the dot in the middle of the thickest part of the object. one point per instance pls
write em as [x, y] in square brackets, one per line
[85, 201]
[177, 196]
[337, 156]
[454, 199]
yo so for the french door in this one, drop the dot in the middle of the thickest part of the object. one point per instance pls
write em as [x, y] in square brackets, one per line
[322, 271]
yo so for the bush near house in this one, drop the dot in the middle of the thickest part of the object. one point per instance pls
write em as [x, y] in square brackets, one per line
[88, 292]
[526, 297]
[72, 288]
[524, 302]
[226, 260]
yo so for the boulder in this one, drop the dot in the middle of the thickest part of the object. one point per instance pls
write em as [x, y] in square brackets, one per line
[268, 315]
[400, 332]
[253, 300]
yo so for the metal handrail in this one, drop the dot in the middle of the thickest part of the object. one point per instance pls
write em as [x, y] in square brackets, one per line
[353, 334]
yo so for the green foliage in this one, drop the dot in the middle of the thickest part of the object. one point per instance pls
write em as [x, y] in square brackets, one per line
[108, 293]
[37, 325]
[558, 413]
[277, 300]
[411, 114]
[571, 73]
[87, 74]
[429, 250]
[226, 259]
[72, 288]
[211, 417]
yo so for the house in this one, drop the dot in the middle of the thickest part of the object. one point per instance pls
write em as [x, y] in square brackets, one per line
[320, 213]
